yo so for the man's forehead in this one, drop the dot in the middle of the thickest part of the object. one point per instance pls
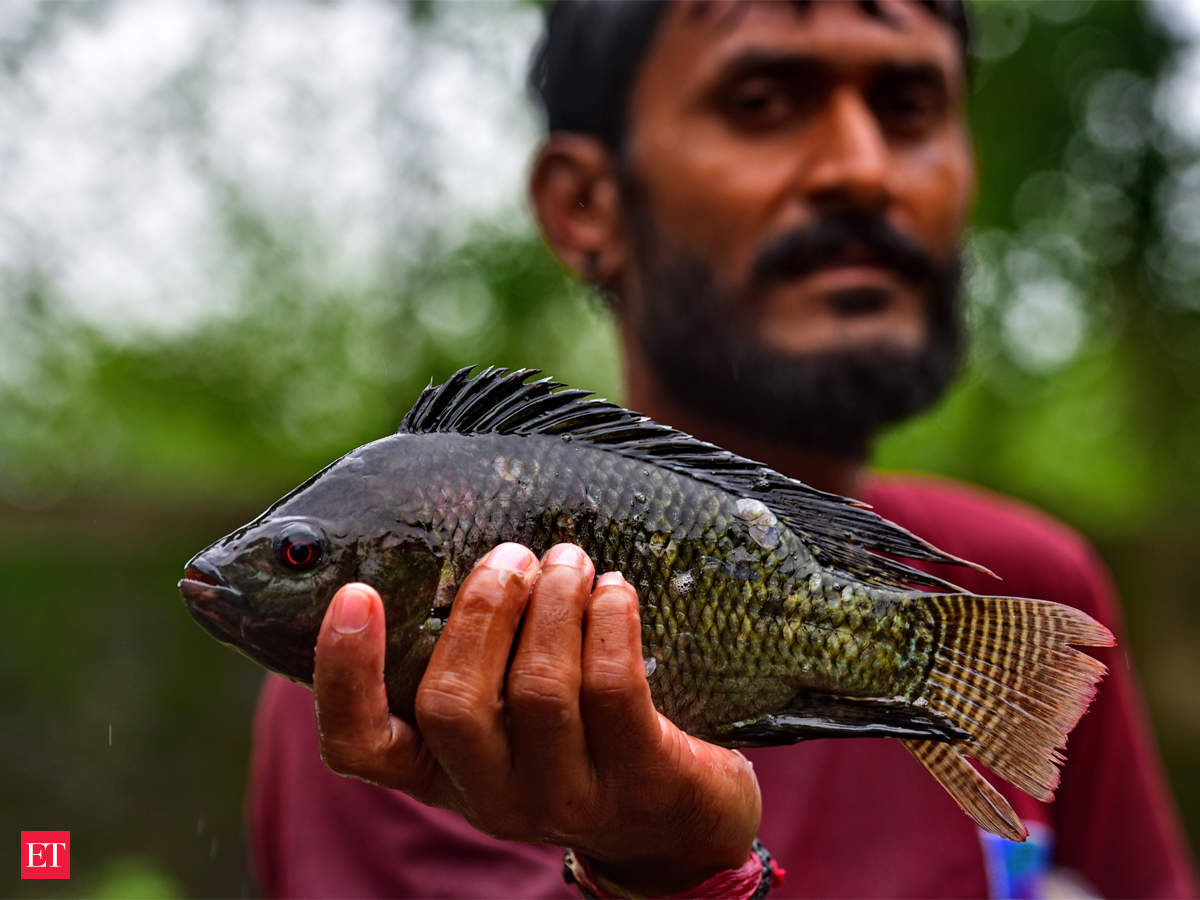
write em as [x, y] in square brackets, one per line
[709, 33]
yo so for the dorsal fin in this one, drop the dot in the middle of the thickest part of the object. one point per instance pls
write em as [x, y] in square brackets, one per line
[844, 535]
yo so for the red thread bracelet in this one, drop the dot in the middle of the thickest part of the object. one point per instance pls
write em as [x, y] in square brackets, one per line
[751, 881]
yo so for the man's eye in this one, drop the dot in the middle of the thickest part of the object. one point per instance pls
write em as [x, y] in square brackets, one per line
[908, 110]
[759, 104]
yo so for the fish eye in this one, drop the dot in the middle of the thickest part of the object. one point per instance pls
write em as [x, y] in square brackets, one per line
[299, 546]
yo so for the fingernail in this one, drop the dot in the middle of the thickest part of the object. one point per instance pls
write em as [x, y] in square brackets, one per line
[566, 555]
[510, 557]
[610, 579]
[352, 610]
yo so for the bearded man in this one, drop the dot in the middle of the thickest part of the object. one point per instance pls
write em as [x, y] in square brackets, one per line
[772, 197]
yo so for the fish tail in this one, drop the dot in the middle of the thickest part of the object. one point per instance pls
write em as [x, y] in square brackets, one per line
[1003, 672]
[970, 790]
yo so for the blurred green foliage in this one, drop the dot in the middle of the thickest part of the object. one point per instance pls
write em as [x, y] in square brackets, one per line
[124, 450]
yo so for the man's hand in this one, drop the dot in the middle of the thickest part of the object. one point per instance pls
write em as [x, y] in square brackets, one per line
[563, 746]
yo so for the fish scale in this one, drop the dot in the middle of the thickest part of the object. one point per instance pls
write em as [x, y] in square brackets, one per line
[771, 612]
[723, 638]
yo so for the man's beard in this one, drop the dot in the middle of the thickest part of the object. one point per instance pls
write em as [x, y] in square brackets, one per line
[710, 361]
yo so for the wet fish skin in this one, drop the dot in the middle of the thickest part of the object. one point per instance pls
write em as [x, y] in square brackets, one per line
[729, 614]
[722, 600]
[767, 615]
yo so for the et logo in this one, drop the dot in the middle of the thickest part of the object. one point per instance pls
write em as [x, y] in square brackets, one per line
[45, 854]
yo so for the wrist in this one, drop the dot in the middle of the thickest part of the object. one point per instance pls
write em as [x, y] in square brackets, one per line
[660, 877]
[748, 879]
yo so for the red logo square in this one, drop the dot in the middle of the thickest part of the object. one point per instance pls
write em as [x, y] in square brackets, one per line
[45, 854]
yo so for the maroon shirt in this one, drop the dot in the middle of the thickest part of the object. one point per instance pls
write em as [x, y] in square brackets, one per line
[846, 818]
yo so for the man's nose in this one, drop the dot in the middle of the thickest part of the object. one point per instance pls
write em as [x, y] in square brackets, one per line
[852, 166]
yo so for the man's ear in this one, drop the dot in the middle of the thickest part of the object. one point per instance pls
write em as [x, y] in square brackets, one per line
[573, 189]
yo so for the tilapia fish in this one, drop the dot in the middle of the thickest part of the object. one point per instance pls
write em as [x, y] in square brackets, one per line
[771, 612]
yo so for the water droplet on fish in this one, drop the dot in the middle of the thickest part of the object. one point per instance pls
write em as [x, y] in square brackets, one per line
[749, 509]
[763, 526]
[639, 496]
[682, 583]
[651, 665]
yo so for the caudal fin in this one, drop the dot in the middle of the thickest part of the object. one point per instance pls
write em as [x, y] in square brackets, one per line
[1004, 672]
[970, 790]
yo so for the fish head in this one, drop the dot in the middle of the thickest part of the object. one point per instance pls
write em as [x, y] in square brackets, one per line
[264, 588]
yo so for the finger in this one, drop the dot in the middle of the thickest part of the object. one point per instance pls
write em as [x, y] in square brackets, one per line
[459, 705]
[358, 735]
[618, 714]
[542, 691]
[707, 791]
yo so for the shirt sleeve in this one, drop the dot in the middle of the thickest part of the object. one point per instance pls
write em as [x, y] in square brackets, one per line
[1115, 822]
[316, 834]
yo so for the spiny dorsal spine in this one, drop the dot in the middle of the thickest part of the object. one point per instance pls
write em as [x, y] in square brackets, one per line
[844, 535]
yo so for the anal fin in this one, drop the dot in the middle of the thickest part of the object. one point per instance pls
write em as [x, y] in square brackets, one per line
[970, 790]
[812, 716]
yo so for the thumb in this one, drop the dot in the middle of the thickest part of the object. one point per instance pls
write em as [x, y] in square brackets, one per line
[358, 734]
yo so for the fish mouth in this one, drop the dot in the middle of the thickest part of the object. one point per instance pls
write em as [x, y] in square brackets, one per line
[199, 571]
[212, 602]
[225, 613]
[205, 594]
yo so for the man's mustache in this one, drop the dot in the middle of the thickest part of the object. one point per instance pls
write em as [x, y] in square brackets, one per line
[843, 238]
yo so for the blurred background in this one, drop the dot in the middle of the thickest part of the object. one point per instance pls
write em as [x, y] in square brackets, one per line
[237, 238]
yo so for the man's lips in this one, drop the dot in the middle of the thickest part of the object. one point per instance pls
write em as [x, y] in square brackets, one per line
[844, 276]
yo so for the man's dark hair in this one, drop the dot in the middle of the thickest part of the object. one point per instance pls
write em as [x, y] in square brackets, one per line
[584, 66]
